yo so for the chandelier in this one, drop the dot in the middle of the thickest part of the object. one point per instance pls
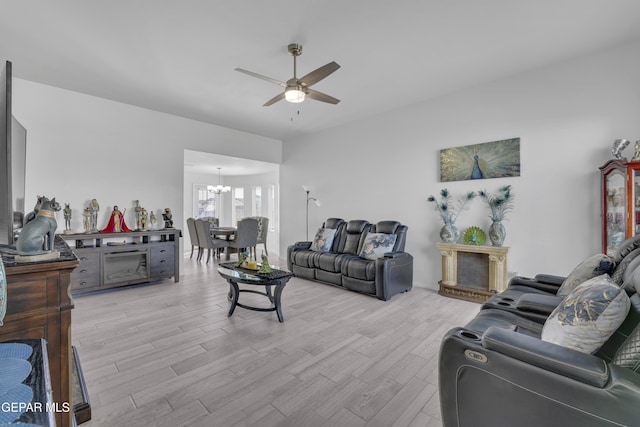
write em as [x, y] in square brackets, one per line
[217, 189]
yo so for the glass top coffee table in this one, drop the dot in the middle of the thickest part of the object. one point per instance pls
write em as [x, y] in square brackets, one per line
[235, 275]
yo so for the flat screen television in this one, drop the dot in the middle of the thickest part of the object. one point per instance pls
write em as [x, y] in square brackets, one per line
[13, 151]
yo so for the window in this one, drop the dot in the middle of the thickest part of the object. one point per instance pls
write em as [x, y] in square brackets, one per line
[257, 198]
[238, 204]
[204, 202]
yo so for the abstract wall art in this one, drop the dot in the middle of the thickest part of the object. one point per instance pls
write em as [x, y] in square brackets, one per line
[496, 159]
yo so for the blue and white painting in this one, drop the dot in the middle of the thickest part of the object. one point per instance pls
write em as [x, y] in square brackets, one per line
[496, 159]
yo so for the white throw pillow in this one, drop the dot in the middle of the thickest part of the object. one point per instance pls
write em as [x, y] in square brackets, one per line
[323, 240]
[588, 316]
[377, 244]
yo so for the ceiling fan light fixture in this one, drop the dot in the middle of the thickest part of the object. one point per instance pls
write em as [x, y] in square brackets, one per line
[297, 89]
[294, 94]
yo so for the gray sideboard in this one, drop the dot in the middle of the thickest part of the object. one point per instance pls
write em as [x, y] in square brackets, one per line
[109, 260]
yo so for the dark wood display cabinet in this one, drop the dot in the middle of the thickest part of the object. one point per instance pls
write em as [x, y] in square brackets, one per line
[620, 203]
[109, 260]
[39, 307]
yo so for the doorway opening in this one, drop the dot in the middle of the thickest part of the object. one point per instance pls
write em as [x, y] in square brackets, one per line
[253, 191]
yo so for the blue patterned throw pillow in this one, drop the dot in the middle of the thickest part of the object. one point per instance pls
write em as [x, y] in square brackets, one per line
[377, 244]
[588, 316]
[587, 269]
[323, 240]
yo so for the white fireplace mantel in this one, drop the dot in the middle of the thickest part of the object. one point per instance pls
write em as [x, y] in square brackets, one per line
[452, 265]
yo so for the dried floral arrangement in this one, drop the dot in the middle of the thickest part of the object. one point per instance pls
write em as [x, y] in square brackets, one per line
[448, 208]
[500, 203]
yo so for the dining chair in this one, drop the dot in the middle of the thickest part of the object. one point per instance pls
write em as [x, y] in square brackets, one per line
[193, 236]
[213, 221]
[263, 231]
[205, 239]
[246, 235]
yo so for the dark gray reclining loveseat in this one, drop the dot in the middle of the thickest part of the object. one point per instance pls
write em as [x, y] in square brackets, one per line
[499, 369]
[341, 264]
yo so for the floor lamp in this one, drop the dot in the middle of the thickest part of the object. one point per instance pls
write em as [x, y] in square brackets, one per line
[316, 201]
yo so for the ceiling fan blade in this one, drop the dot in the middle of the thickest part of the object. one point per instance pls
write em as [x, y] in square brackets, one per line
[318, 74]
[260, 76]
[319, 96]
[273, 100]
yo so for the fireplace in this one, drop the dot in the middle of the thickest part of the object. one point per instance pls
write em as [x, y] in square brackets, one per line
[126, 266]
[471, 272]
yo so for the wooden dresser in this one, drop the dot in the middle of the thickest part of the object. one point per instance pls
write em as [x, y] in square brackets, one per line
[39, 307]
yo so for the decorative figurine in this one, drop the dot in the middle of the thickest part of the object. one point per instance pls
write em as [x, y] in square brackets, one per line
[116, 222]
[265, 268]
[152, 220]
[636, 154]
[166, 215]
[32, 215]
[137, 209]
[242, 259]
[618, 147]
[37, 236]
[87, 220]
[67, 219]
[94, 207]
[143, 217]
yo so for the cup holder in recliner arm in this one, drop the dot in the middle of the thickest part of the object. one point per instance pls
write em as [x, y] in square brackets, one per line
[505, 302]
[469, 335]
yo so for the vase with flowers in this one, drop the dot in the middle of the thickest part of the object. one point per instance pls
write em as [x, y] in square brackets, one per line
[500, 204]
[449, 211]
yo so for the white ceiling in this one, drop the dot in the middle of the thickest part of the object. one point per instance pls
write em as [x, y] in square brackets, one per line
[208, 163]
[179, 56]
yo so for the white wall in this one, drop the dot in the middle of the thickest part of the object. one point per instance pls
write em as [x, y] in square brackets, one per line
[385, 167]
[81, 147]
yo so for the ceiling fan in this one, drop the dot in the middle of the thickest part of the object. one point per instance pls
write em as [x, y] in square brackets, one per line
[296, 89]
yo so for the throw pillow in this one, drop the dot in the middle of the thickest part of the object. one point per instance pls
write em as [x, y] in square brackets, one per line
[588, 316]
[587, 269]
[377, 244]
[323, 240]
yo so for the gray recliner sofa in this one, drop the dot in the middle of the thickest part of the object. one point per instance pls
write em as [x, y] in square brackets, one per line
[498, 370]
[341, 265]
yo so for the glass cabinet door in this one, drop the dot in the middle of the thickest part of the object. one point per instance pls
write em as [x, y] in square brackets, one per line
[615, 209]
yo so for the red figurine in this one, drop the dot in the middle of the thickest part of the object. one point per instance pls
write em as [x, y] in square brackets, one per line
[116, 222]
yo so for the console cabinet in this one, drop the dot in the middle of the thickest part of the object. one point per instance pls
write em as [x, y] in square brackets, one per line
[109, 260]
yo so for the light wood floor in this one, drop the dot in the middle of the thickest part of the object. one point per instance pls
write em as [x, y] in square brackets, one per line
[167, 355]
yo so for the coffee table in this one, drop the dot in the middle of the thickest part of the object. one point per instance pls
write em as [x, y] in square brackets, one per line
[235, 275]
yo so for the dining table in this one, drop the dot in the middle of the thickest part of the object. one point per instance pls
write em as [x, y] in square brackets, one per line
[227, 233]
